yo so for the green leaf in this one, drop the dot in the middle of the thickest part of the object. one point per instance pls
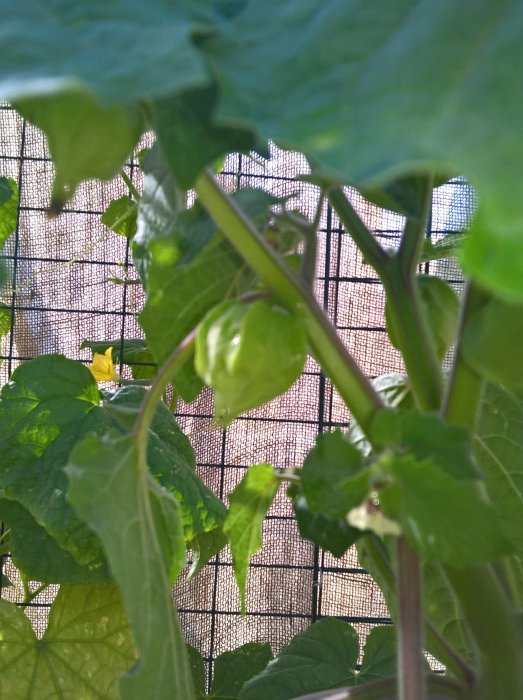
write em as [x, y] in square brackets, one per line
[493, 343]
[249, 354]
[120, 216]
[379, 655]
[249, 503]
[324, 656]
[446, 247]
[49, 404]
[333, 478]
[413, 93]
[121, 52]
[233, 669]
[140, 526]
[427, 436]
[86, 647]
[171, 461]
[86, 139]
[441, 306]
[205, 546]
[335, 536]
[498, 448]
[38, 555]
[197, 670]
[9, 199]
[179, 298]
[404, 195]
[442, 518]
[188, 136]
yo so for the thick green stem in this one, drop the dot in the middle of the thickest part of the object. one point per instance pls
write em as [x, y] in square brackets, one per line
[398, 275]
[354, 388]
[411, 667]
[492, 621]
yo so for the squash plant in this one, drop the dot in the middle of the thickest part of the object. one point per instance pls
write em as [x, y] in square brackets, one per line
[98, 488]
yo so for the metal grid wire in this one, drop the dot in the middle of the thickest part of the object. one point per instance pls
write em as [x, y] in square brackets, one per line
[61, 296]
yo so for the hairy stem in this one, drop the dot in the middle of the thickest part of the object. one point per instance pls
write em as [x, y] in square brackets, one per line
[435, 643]
[411, 671]
[355, 389]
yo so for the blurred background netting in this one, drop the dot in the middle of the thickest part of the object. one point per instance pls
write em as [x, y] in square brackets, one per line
[66, 276]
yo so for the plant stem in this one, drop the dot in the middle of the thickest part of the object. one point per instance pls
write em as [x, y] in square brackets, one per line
[492, 621]
[174, 362]
[435, 643]
[411, 673]
[132, 188]
[354, 388]
[372, 252]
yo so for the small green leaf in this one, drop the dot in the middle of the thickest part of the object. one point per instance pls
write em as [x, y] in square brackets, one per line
[86, 647]
[334, 536]
[493, 343]
[441, 307]
[427, 436]
[324, 656]
[249, 503]
[333, 478]
[132, 352]
[140, 526]
[49, 405]
[197, 670]
[443, 518]
[249, 354]
[9, 198]
[120, 216]
[205, 546]
[39, 556]
[446, 247]
[379, 655]
[86, 140]
[233, 669]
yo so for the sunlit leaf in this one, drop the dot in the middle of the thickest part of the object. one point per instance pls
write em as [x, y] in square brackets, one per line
[86, 647]
[249, 503]
[140, 526]
[120, 216]
[9, 198]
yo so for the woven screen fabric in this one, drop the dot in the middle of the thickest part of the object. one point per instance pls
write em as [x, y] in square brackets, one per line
[64, 292]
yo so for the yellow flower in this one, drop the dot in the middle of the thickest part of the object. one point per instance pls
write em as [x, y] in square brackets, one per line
[102, 368]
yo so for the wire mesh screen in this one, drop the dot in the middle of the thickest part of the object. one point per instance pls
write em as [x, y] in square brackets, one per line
[65, 290]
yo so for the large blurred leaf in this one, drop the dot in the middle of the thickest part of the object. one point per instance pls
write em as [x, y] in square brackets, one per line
[493, 343]
[86, 647]
[140, 526]
[322, 657]
[233, 669]
[381, 90]
[49, 404]
[8, 208]
[189, 137]
[122, 51]
[249, 503]
[38, 555]
[86, 140]
[442, 518]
